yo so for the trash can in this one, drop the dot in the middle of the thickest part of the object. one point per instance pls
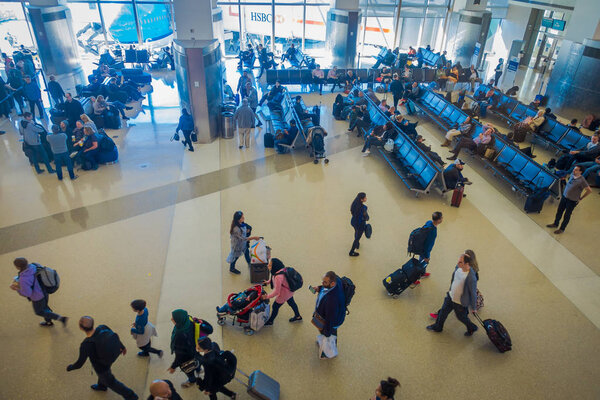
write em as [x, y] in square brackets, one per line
[227, 124]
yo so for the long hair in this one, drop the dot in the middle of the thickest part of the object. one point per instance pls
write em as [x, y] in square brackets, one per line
[357, 203]
[388, 387]
[236, 220]
[473, 263]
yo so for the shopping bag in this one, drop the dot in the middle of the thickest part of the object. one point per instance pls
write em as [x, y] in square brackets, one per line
[259, 252]
[327, 346]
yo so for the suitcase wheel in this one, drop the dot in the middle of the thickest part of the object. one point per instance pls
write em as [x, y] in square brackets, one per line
[221, 321]
[326, 161]
[395, 296]
[248, 331]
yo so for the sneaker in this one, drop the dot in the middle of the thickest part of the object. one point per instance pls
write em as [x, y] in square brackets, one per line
[366, 153]
[98, 388]
[160, 354]
[46, 323]
[353, 254]
[425, 275]
[558, 231]
[75, 177]
[417, 283]
[433, 328]
[235, 271]
[143, 354]
[470, 333]
[64, 321]
[187, 384]
[433, 315]
[551, 226]
[451, 158]
[240, 147]
[294, 319]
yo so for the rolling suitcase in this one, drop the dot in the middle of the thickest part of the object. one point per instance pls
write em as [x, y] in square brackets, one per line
[535, 201]
[399, 280]
[497, 333]
[259, 273]
[457, 196]
[269, 140]
[261, 386]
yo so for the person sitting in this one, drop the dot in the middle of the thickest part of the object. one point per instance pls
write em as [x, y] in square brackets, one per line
[371, 94]
[411, 94]
[353, 116]
[549, 114]
[453, 176]
[408, 127]
[286, 137]
[435, 157]
[464, 129]
[318, 76]
[584, 154]
[363, 120]
[290, 54]
[385, 77]
[483, 139]
[90, 150]
[383, 106]
[99, 105]
[411, 52]
[301, 111]
[87, 122]
[115, 93]
[473, 77]
[273, 94]
[350, 79]
[535, 122]
[238, 302]
[332, 78]
[377, 137]
[573, 125]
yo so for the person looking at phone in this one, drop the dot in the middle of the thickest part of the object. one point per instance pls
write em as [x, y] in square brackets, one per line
[330, 308]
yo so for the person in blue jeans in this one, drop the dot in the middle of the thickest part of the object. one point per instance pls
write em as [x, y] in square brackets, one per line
[58, 144]
[31, 137]
[287, 137]
[33, 94]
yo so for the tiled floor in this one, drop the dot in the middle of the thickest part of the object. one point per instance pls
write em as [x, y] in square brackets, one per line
[155, 226]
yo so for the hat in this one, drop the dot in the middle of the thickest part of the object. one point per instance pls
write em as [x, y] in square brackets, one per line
[459, 161]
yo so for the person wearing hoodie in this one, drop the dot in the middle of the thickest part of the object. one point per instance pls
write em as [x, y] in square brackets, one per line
[281, 291]
[212, 382]
[142, 330]
[27, 285]
[182, 344]
[31, 138]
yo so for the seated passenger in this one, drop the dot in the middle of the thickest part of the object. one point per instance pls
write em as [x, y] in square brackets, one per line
[587, 153]
[87, 122]
[99, 105]
[301, 111]
[467, 142]
[377, 137]
[286, 137]
[273, 95]
[350, 79]
[290, 54]
[371, 94]
[362, 122]
[359, 98]
[573, 125]
[412, 95]
[453, 175]
[90, 150]
[332, 78]
[548, 113]
[465, 129]
[383, 106]
[435, 157]
[318, 77]
[535, 122]
[408, 127]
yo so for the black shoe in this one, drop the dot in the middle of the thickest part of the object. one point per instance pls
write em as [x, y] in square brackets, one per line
[98, 388]
[64, 321]
[143, 354]
[128, 108]
[451, 158]
[551, 226]
[191, 149]
[126, 118]
[268, 323]
[40, 171]
[294, 319]
[46, 323]
[353, 254]
[470, 333]
[234, 271]
[433, 328]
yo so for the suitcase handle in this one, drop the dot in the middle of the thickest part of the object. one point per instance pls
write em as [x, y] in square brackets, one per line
[479, 319]
[243, 373]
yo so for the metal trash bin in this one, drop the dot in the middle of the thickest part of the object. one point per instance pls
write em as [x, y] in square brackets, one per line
[227, 124]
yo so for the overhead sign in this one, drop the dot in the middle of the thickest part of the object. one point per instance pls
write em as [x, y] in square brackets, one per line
[557, 24]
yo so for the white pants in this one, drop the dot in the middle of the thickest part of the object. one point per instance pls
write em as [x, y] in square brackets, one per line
[452, 133]
[244, 136]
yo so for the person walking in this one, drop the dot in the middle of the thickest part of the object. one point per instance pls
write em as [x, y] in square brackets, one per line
[102, 346]
[56, 91]
[431, 226]
[27, 284]
[31, 137]
[281, 291]
[186, 125]
[162, 389]
[397, 89]
[142, 330]
[330, 312]
[252, 96]
[212, 383]
[386, 389]
[58, 144]
[182, 344]
[239, 233]
[571, 197]
[33, 94]
[461, 297]
[359, 219]
[244, 118]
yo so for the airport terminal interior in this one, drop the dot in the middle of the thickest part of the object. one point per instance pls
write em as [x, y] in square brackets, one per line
[142, 216]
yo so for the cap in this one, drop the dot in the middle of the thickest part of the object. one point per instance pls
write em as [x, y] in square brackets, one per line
[459, 161]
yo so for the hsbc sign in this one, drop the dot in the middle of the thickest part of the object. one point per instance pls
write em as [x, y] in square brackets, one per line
[260, 17]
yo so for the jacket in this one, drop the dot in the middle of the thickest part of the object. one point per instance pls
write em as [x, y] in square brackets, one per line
[430, 241]
[452, 176]
[332, 307]
[30, 132]
[55, 89]
[184, 347]
[396, 87]
[73, 109]
[174, 394]
[244, 117]
[28, 284]
[359, 220]
[212, 379]
[87, 349]
[31, 91]
[281, 290]
[469, 295]
[186, 123]
[252, 96]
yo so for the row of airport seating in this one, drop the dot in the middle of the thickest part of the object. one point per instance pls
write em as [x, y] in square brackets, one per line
[280, 119]
[551, 132]
[524, 174]
[414, 167]
[429, 57]
[304, 76]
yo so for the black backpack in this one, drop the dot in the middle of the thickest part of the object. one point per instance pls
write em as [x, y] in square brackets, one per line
[108, 345]
[106, 142]
[417, 239]
[226, 364]
[349, 289]
[294, 279]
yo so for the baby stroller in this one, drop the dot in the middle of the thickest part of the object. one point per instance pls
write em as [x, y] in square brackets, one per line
[316, 142]
[247, 309]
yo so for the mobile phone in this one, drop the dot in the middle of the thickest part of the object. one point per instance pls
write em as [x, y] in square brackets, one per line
[312, 289]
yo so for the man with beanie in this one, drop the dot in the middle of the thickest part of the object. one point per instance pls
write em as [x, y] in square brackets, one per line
[330, 309]
[103, 347]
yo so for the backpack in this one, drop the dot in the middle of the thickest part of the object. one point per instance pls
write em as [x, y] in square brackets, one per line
[47, 278]
[106, 142]
[417, 239]
[108, 345]
[226, 363]
[349, 289]
[294, 279]
[201, 328]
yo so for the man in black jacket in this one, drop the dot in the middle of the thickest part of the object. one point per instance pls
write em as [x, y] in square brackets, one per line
[214, 380]
[163, 390]
[397, 89]
[73, 110]
[96, 345]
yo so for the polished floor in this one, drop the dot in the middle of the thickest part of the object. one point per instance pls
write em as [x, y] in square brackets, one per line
[155, 226]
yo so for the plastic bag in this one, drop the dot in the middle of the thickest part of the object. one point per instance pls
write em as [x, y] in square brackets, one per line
[327, 346]
[389, 146]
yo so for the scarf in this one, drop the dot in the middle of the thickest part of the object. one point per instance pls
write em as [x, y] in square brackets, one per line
[182, 324]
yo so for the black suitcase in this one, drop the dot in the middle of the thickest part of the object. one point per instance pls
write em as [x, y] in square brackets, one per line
[402, 278]
[112, 118]
[535, 201]
[269, 140]
[259, 273]
[261, 386]
[497, 333]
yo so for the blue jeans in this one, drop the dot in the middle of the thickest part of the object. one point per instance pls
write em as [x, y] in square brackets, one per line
[591, 167]
[410, 108]
[61, 159]
[39, 154]
[372, 140]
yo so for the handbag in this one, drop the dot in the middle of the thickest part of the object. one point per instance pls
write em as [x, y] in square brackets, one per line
[318, 321]
[194, 136]
[175, 137]
[190, 366]
[368, 231]
[389, 146]
[489, 153]
[479, 304]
